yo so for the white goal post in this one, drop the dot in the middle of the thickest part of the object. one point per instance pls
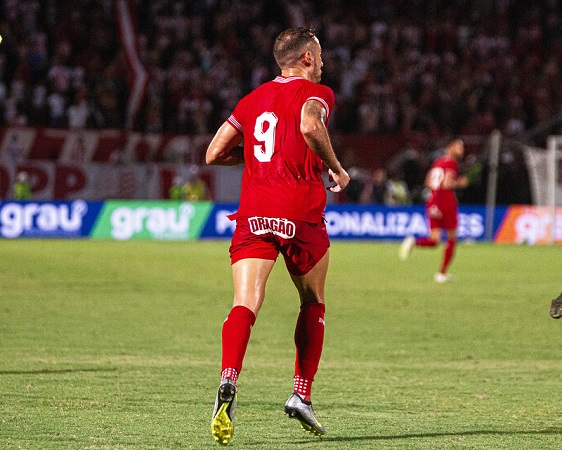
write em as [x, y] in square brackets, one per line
[554, 150]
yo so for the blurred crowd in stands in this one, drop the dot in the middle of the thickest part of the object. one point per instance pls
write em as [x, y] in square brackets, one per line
[429, 68]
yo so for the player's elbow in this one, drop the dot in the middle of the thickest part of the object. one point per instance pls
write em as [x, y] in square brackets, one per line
[309, 130]
[211, 157]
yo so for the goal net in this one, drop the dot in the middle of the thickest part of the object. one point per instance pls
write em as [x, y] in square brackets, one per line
[545, 167]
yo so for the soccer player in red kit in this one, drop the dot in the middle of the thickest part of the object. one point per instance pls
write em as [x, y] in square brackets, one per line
[441, 207]
[282, 125]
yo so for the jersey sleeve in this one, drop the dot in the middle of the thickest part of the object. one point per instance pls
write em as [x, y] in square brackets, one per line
[440, 167]
[234, 122]
[235, 119]
[451, 165]
[324, 95]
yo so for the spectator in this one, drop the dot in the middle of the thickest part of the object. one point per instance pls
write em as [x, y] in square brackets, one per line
[397, 192]
[375, 190]
[359, 176]
[15, 152]
[397, 66]
[195, 188]
[22, 188]
[177, 190]
[79, 112]
[473, 170]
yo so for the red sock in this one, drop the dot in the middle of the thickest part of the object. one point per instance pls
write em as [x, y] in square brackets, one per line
[425, 242]
[309, 340]
[302, 386]
[231, 373]
[235, 336]
[448, 254]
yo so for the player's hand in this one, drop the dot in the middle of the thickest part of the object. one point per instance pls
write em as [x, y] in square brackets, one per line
[462, 181]
[341, 179]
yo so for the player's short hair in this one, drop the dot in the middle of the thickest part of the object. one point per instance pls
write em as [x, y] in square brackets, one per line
[290, 44]
[455, 141]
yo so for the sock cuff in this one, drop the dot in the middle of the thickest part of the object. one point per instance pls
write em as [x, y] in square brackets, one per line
[229, 372]
[320, 306]
[239, 309]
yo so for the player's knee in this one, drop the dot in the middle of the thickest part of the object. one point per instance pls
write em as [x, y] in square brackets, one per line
[435, 239]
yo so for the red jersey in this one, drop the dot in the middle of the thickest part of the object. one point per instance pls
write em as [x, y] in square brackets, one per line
[282, 175]
[437, 175]
[441, 205]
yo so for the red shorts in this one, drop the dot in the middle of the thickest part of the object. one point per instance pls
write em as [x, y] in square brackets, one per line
[302, 244]
[442, 214]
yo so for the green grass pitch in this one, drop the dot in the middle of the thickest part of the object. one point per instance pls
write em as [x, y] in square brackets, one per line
[116, 345]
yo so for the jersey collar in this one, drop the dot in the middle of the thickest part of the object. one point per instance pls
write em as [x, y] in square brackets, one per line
[282, 79]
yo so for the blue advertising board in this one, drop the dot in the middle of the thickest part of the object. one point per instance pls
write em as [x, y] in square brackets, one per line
[57, 219]
[373, 222]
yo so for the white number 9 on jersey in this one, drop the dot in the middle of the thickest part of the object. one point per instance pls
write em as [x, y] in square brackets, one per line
[264, 132]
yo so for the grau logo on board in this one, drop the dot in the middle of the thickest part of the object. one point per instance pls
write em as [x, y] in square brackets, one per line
[156, 222]
[42, 219]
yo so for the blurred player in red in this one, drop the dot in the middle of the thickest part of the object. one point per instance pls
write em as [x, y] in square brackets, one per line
[282, 125]
[441, 207]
